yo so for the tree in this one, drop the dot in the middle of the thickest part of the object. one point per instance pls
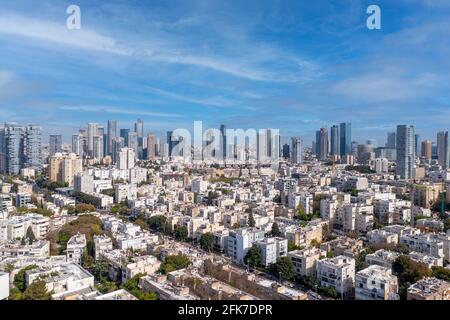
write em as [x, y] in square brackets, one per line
[30, 235]
[106, 287]
[100, 271]
[19, 278]
[132, 286]
[301, 213]
[361, 258]
[275, 232]
[181, 233]
[441, 273]
[446, 224]
[251, 221]
[315, 243]
[173, 263]
[37, 291]
[328, 291]
[157, 223]
[253, 257]
[207, 241]
[283, 268]
[87, 261]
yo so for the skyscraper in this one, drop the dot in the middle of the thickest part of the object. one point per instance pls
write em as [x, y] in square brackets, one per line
[91, 133]
[78, 144]
[416, 144]
[296, 150]
[22, 148]
[405, 143]
[335, 141]
[223, 142]
[286, 151]
[98, 147]
[322, 144]
[111, 134]
[133, 142]
[427, 149]
[55, 144]
[345, 133]
[139, 129]
[443, 149]
[151, 151]
[391, 140]
[117, 144]
[124, 135]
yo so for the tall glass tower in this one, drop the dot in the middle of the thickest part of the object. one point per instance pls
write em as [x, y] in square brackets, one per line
[345, 133]
[405, 151]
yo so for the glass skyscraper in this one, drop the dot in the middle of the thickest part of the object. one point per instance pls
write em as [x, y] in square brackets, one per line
[405, 151]
[334, 141]
[345, 134]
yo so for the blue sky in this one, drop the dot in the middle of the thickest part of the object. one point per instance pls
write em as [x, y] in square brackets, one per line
[294, 65]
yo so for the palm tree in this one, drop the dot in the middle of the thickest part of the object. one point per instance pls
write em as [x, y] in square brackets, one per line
[10, 268]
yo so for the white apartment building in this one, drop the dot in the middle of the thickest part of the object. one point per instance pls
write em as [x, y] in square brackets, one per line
[61, 278]
[425, 243]
[4, 285]
[272, 249]
[383, 258]
[144, 264]
[75, 248]
[22, 199]
[84, 183]
[102, 243]
[305, 261]
[124, 192]
[377, 237]
[199, 186]
[240, 240]
[339, 273]
[126, 159]
[16, 227]
[376, 283]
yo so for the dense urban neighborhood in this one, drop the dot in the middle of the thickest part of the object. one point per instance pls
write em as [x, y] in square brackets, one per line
[127, 216]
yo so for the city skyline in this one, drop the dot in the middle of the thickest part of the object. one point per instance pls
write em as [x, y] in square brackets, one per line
[293, 66]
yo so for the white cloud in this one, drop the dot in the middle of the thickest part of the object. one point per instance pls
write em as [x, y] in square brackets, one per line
[114, 110]
[214, 101]
[167, 49]
[6, 77]
[383, 87]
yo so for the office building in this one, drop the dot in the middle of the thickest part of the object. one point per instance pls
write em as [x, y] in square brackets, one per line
[110, 135]
[21, 147]
[151, 146]
[443, 149]
[322, 144]
[55, 144]
[335, 141]
[296, 150]
[345, 133]
[427, 149]
[405, 151]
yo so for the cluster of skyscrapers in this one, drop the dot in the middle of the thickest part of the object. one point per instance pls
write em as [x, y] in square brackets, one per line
[96, 142]
[20, 147]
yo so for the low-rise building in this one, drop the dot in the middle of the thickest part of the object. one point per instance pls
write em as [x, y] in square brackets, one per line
[75, 248]
[376, 283]
[305, 260]
[429, 289]
[338, 273]
[4, 285]
[272, 249]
